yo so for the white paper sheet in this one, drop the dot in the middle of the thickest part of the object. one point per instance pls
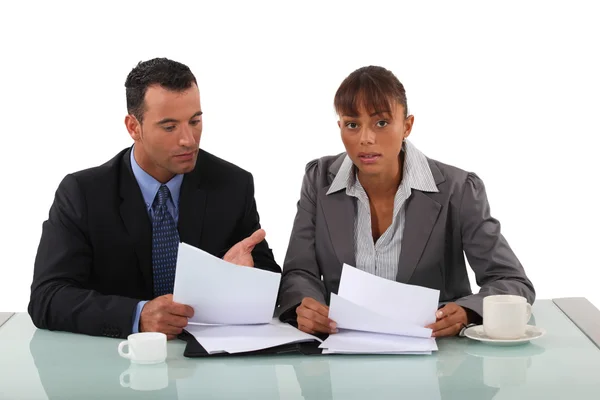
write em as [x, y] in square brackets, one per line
[383, 353]
[361, 342]
[349, 315]
[413, 305]
[221, 292]
[242, 338]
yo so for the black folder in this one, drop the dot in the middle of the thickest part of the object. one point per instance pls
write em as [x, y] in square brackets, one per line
[194, 349]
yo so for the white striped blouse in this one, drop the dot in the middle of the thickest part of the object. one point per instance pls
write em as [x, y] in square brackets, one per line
[381, 258]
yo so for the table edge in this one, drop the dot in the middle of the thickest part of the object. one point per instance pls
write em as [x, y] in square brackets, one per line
[5, 316]
[583, 314]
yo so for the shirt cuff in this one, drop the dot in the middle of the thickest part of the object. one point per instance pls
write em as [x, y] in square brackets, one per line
[136, 320]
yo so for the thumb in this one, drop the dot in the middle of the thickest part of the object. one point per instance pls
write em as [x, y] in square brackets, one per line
[255, 238]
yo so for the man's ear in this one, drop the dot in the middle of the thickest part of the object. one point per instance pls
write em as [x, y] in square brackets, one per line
[133, 127]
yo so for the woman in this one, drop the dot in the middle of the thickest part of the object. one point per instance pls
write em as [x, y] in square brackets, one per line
[385, 208]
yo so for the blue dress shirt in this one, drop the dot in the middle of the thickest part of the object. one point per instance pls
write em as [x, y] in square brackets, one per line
[149, 187]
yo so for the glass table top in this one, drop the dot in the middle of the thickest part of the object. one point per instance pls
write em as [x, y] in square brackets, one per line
[563, 364]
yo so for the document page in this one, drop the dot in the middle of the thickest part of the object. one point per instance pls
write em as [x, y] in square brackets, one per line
[221, 292]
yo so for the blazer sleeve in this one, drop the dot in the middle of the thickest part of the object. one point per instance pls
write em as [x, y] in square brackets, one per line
[497, 269]
[262, 254]
[301, 272]
[61, 298]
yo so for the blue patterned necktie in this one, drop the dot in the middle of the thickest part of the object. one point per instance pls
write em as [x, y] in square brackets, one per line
[165, 243]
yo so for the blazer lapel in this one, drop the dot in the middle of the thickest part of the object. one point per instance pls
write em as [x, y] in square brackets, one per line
[420, 217]
[192, 205]
[421, 214]
[136, 220]
[339, 211]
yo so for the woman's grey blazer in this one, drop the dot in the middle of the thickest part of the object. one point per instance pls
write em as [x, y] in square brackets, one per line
[439, 229]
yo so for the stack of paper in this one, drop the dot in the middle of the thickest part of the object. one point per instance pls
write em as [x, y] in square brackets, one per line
[376, 315]
[242, 338]
[233, 305]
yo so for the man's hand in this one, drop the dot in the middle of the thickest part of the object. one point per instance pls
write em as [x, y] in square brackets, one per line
[241, 253]
[313, 317]
[164, 315]
[450, 319]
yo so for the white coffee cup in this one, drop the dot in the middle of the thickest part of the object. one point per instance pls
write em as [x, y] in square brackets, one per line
[145, 377]
[505, 316]
[145, 347]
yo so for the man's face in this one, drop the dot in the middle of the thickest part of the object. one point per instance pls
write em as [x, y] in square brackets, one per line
[168, 139]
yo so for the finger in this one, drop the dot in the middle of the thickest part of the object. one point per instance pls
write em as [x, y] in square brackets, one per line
[456, 315]
[254, 239]
[441, 324]
[447, 310]
[167, 297]
[310, 323]
[182, 310]
[165, 328]
[440, 315]
[175, 320]
[171, 337]
[452, 330]
[306, 329]
[450, 320]
[314, 305]
[172, 330]
[316, 317]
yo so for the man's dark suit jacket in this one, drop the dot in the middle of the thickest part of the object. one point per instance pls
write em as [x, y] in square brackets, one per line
[94, 261]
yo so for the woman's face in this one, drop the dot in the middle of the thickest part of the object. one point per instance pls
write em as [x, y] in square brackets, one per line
[373, 140]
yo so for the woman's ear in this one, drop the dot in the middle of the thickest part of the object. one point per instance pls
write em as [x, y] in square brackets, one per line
[408, 124]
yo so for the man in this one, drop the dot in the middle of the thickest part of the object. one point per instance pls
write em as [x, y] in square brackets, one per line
[106, 261]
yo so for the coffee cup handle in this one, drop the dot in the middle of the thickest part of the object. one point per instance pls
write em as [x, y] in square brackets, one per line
[122, 379]
[528, 313]
[121, 352]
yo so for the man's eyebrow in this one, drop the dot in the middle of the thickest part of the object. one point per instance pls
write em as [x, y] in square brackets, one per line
[166, 121]
[171, 120]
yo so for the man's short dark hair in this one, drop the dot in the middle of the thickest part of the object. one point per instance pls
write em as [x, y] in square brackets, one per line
[169, 74]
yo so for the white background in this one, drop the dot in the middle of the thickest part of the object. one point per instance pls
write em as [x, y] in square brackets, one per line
[509, 91]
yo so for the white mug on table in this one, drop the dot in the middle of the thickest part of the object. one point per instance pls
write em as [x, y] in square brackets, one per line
[145, 348]
[505, 316]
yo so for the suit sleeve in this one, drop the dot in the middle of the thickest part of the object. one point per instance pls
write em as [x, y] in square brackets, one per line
[497, 269]
[262, 254]
[61, 298]
[301, 272]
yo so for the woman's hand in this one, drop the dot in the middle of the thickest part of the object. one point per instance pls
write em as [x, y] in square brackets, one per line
[450, 319]
[313, 317]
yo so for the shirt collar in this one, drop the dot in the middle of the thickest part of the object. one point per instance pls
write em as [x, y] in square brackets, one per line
[149, 186]
[416, 175]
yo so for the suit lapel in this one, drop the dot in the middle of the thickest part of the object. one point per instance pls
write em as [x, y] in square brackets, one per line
[421, 214]
[420, 217]
[339, 210]
[192, 206]
[136, 220]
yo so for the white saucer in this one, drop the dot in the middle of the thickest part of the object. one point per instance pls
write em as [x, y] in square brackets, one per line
[531, 333]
